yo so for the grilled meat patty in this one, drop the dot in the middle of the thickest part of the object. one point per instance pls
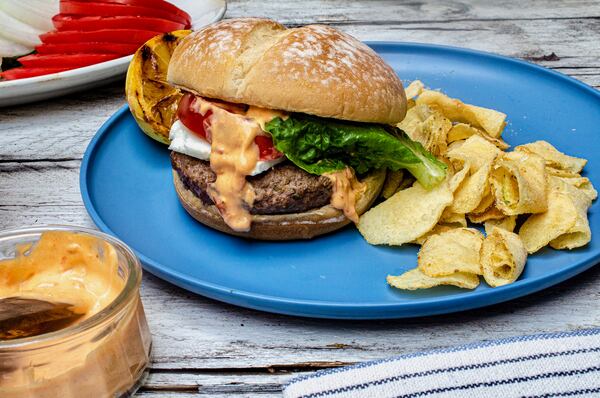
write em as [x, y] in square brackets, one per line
[282, 189]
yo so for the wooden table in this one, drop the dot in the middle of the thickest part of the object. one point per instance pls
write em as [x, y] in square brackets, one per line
[220, 350]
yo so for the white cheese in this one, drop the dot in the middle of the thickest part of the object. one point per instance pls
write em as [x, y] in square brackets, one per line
[185, 141]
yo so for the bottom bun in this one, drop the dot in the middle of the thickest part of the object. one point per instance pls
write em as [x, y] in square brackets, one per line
[281, 226]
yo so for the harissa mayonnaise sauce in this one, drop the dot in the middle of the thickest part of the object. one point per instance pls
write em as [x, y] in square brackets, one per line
[64, 267]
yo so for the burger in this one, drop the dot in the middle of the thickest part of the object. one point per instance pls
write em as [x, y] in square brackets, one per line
[285, 133]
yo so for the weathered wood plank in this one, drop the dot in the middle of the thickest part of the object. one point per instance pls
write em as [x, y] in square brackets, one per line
[173, 394]
[205, 347]
[143, 393]
[517, 38]
[41, 193]
[386, 11]
[231, 383]
[58, 128]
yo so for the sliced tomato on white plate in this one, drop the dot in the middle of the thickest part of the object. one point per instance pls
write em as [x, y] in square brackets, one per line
[64, 60]
[86, 23]
[110, 9]
[87, 48]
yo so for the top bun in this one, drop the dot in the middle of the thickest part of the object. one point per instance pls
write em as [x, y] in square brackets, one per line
[313, 69]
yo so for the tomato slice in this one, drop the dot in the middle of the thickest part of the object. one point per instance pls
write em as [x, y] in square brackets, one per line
[22, 72]
[64, 60]
[114, 10]
[194, 121]
[69, 22]
[160, 4]
[199, 124]
[266, 149]
[87, 48]
[132, 36]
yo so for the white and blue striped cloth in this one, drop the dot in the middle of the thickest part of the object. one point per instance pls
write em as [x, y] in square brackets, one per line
[545, 365]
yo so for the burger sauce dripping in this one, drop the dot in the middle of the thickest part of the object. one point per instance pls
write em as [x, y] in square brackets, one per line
[345, 188]
[233, 156]
[263, 115]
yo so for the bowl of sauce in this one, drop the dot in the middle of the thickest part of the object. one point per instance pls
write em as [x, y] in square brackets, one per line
[94, 338]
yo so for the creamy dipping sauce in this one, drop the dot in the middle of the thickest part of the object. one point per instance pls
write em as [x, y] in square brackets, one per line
[64, 267]
[104, 356]
[346, 187]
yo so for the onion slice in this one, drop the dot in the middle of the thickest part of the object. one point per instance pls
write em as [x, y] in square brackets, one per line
[9, 48]
[18, 32]
[35, 13]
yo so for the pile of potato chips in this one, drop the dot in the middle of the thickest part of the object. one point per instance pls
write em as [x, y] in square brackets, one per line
[534, 185]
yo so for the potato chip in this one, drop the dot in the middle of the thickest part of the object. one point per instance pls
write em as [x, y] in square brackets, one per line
[427, 126]
[415, 279]
[451, 218]
[486, 202]
[456, 179]
[491, 213]
[583, 184]
[489, 120]
[477, 155]
[449, 252]
[412, 124]
[437, 229]
[392, 182]
[472, 190]
[474, 150]
[435, 130]
[455, 145]
[414, 117]
[551, 171]
[503, 257]
[579, 234]
[507, 223]
[519, 183]
[414, 88]
[462, 131]
[540, 229]
[553, 157]
[405, 216]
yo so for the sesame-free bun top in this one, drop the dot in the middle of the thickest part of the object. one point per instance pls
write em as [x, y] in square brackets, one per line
[313, 69]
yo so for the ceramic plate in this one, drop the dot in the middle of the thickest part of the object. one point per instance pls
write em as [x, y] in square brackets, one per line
[38, 88]
[127, 189]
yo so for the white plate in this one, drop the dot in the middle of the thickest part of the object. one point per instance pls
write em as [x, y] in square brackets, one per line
[37, 88]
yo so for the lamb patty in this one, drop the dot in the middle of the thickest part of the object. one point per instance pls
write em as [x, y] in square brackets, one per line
[282, 189]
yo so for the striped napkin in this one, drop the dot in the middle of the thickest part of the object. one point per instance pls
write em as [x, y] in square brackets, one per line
[545, 365]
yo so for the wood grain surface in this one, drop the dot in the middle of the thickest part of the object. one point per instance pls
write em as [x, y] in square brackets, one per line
[214, 349]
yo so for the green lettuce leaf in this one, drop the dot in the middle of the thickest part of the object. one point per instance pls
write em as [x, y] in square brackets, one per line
[320, 145]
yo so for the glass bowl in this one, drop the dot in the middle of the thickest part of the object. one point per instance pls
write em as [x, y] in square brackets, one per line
[105, 355]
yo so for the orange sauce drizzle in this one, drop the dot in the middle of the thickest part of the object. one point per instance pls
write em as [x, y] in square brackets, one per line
[345, 189]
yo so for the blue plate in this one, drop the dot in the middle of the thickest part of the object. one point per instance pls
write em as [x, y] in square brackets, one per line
[127, 189]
